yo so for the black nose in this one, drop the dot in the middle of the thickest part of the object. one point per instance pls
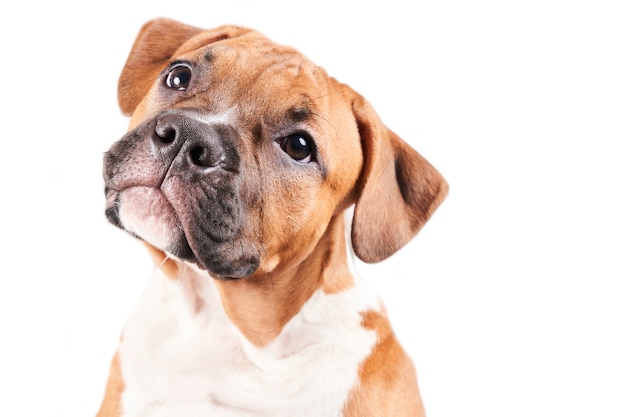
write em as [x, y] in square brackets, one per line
[192, 142]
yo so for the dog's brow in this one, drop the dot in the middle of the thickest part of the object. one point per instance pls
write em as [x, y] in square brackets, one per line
[300, 114]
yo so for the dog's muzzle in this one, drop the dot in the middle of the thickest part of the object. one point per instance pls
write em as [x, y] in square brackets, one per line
[175, 182]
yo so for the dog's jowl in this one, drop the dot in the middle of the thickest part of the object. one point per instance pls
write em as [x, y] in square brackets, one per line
[240, 161]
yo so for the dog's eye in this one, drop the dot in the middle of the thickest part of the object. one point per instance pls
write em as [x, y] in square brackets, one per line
[298, 146]
[179, 77]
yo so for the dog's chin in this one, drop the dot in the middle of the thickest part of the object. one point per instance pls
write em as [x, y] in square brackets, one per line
[146, 214]
[183, 252]
[223, 269]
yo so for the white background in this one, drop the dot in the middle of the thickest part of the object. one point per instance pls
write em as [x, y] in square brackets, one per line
[511, 300]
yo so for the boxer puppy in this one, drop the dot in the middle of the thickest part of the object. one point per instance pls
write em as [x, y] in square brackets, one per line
[241, 158]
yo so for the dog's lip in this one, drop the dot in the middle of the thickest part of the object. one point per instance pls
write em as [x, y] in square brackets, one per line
[111, 195]
[111, 192]
[177, 248]
[182, 248]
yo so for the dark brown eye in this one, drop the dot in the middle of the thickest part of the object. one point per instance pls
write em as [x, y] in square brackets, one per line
[179, 78]
[298, 146]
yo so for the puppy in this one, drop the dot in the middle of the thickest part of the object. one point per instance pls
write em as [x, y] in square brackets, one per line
[240, 162]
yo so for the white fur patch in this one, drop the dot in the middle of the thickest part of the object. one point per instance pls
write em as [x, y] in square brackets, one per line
[181, 356]
[227, 117]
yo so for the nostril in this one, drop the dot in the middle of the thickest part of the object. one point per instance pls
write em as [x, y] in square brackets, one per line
[200, 156]
[165, 133]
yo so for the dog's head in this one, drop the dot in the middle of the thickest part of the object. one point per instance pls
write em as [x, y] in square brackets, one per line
[240, 152]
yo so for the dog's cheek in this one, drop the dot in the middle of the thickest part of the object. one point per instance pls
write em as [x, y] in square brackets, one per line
[215, 223]
[293, 218]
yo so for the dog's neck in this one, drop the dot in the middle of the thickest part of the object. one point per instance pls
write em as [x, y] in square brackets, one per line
[262, 304]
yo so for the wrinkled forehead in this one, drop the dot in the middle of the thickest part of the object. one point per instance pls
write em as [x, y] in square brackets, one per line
[256, 71]
[250, 44]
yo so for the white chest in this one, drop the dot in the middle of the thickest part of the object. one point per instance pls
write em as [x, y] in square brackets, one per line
[179, 360]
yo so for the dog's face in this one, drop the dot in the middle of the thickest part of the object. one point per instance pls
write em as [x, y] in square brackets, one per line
[240, 151]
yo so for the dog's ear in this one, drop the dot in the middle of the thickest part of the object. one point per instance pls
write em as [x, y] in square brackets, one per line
[157, 42]
[398, 192]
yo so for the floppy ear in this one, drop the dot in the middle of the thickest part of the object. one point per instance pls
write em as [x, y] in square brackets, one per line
[157, 42]
[399, 189]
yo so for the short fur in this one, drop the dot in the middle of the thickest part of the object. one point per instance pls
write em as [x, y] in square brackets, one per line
[240, 161]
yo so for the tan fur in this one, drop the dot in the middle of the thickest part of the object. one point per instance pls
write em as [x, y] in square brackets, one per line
[111, 405]
[387, 380]
[260, 306]
[394, 190]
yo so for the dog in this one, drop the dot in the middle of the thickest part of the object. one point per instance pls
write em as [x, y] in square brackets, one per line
[252, 177]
